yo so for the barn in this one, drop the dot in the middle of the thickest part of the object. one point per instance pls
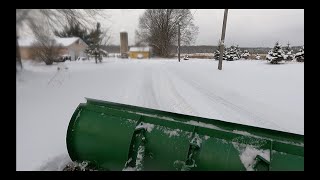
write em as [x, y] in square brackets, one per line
[139, 52]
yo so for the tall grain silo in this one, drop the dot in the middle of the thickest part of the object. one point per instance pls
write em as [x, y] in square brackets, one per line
[124, 44]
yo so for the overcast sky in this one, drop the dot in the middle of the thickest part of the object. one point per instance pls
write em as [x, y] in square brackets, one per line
[245, 27]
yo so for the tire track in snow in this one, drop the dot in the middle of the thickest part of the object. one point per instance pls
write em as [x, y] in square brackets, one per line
[229, 105]
[179, 102]
[148, 97]
[59, 77]
[168, 95]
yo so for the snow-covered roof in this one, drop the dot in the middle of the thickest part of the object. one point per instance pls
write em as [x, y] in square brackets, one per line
[25, 41]
[123, 30]
[28, 41]
[66, 41]
[103, 51]
[139, 49]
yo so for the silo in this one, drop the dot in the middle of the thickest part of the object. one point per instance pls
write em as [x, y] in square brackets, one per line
[124, 44]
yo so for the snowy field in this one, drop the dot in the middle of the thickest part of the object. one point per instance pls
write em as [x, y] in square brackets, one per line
[254, 93]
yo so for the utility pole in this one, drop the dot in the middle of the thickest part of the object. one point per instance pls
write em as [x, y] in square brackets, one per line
[179, 42]
[222, 38]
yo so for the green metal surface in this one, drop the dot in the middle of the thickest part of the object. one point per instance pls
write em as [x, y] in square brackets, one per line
[115, 136]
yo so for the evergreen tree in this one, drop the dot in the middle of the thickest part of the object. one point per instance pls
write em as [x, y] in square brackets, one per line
[299, 56]
[276, 54]
[258, 57]
[216, 55]
[288, 53]
[95, 44]
[232, 53]
[238, 50]
[245, 54]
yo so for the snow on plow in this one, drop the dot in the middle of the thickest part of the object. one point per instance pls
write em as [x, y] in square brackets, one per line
[111, 136]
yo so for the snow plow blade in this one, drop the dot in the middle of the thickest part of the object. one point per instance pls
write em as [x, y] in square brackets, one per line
[112, 136]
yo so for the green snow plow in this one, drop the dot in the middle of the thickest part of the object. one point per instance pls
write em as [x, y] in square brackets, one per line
[112, 136]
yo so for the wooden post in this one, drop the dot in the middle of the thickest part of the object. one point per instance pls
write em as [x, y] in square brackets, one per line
[222, 38]
[179, 42]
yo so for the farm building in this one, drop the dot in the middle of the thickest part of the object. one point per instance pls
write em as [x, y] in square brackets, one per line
[73, 46]
[139, 52]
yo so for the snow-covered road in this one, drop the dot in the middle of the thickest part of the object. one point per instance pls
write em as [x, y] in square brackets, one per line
[246, 92]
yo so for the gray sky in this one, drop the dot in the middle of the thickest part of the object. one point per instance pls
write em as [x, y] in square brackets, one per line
[245, 27]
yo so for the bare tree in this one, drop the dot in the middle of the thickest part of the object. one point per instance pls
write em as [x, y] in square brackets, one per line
[18, 56]
[54, 18]
[159, 29]
[45, 48]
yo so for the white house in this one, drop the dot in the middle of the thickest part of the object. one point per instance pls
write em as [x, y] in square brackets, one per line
[73, 46]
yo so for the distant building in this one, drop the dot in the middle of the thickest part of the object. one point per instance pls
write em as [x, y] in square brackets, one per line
[124, 44]
[73, 46]
[139, 52]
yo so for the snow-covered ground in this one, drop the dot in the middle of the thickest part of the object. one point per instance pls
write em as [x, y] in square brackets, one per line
[255, 93]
